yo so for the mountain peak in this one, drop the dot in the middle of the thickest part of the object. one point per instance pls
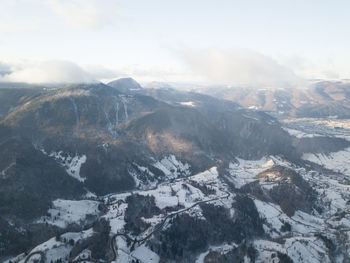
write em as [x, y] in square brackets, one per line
[125, 85]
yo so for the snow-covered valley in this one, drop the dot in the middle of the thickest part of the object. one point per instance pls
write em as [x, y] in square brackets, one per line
[302, 236]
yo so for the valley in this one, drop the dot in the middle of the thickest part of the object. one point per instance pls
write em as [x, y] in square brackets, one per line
[98, 174]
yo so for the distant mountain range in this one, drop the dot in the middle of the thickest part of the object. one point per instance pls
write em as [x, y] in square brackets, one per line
[321, 99]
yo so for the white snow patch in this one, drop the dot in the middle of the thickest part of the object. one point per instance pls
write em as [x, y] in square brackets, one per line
[207, 176]
[116, 217]
[86, 253]
[300, 134]
[144, 254]
[306, 250]
[65, 212]
[4, 171]
[245, 171]
[71, 164]
[172, 168]
[143, 177]
[90, 195]
[335, 161]
[188, 103]
[222, 249]
[78, 235]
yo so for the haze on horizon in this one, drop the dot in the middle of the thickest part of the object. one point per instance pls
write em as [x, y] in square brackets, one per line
[251, 43]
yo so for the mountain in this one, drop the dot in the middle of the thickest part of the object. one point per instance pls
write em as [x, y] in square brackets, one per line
[322, 99]
[120, 173]
[125, 85]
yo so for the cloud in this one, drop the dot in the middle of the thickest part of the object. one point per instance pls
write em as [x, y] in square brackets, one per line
[16, 18]
[240, 67]
[19, 16]
[52, 71]
[5, 69]
[100, 72]
[11, 28]
[328, 67]
[84, 14]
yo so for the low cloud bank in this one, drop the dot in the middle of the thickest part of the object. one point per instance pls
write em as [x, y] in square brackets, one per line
[52, 71]
[240, 67]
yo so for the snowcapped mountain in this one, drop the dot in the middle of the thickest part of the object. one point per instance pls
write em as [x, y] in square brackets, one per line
[118, 173]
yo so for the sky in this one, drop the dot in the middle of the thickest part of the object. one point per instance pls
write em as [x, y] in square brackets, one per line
[227, 42]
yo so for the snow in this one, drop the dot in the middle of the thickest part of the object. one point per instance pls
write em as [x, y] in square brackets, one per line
[335, 161]
[78, 235]
[268, 210]
[300, 134]
[172, 168]
[201, 257]
[90, 195]
[332, 189]
[319, 126]
[253, 107]
[301, 243]
[344, 124]
[4, 171]
[188, 103]
[169, 165]
[49, 244]
[145, 255]
[222, 249]
[65, 212]
[175, 194]
[153, 220]
[33, 259]
[123, 251]
[58, 249]
[116, 217]
[275, 218]
[72, 164]
[143, 177]
[306, 250]
[116, 211]
[207, 176]
[86, 253]
[301, 222]
[305, 223]
[169, 194]
[54, 250]
[245, 171]
[265, 244]
[17, 258]
[60, 252]
[250, 117]
[266, 249]
[299, 249]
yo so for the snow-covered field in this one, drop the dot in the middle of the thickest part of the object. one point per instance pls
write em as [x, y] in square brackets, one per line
[54, 249]
[245, 171]
[169, 166]
[307, 127]
[172, 168]
[336, 161]
[65, 212]
[300, 134]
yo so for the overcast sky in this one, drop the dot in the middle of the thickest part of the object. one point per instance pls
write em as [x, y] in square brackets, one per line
[248, 42]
